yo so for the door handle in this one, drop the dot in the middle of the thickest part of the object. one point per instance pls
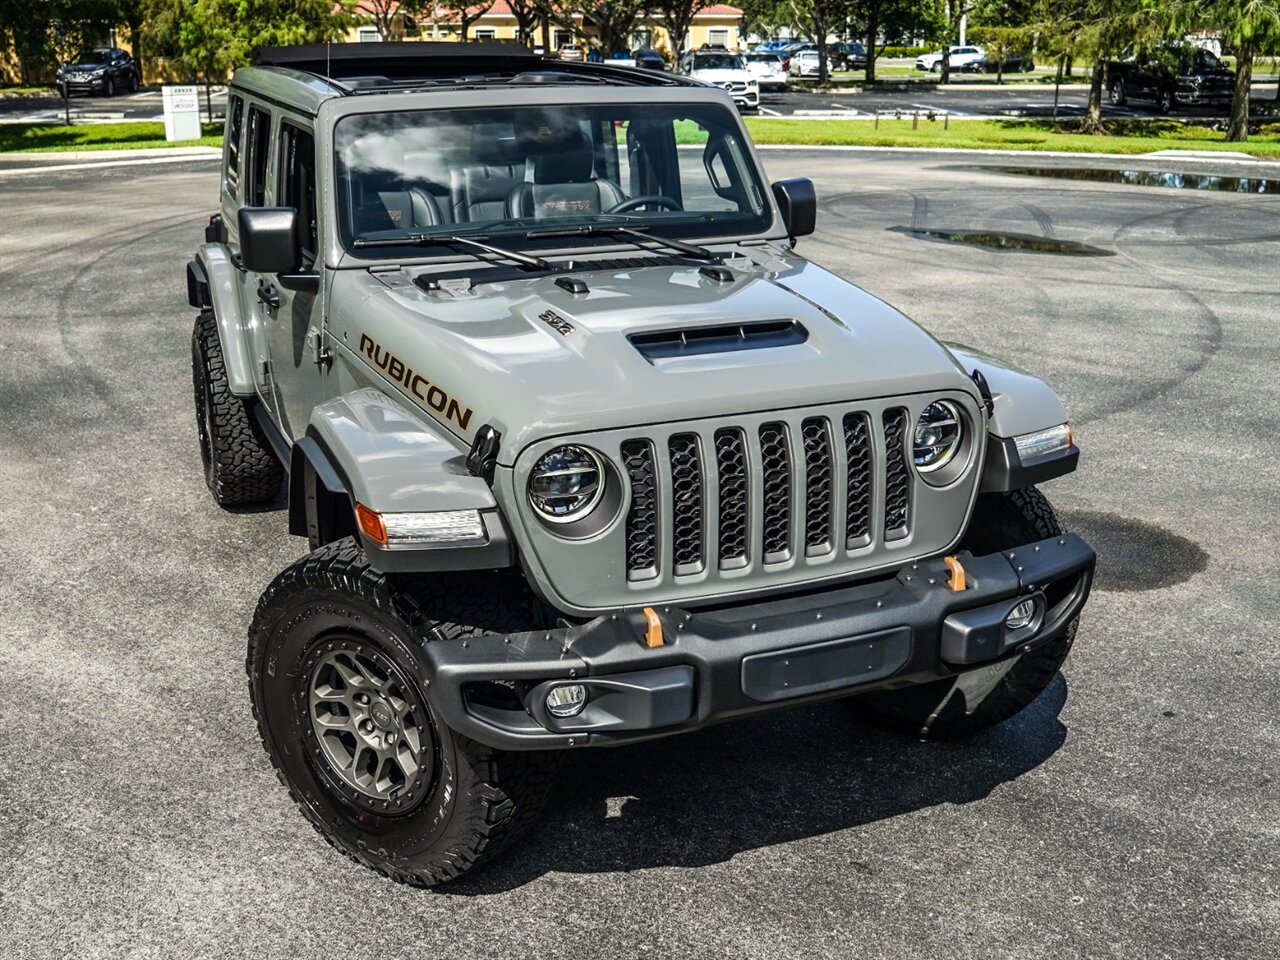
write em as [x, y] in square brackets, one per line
[268, 295]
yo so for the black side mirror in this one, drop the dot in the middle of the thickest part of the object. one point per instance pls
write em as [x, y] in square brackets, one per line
[799, 205]
[269, 240]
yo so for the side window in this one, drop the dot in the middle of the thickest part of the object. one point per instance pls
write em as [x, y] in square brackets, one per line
[258, 144]
[235, 125]
[297, 185]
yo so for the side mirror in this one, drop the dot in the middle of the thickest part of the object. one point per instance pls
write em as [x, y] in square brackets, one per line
[269, 241]
[799, 205]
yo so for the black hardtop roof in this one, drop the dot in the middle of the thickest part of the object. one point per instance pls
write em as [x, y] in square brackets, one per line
[352, 68]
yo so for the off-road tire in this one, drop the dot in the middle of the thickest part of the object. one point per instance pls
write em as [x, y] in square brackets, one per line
[480, 798]
[1000, 521]
[239, 465]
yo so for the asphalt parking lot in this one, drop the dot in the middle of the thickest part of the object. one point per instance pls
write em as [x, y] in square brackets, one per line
[1131, 812]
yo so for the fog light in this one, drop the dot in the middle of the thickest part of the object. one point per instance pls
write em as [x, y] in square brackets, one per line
[1021, 615]
[566, 700]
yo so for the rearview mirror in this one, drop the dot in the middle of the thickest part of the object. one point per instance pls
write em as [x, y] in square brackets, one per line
[269, 241]
[799, 205]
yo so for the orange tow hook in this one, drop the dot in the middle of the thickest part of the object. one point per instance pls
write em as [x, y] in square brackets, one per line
[653, 635]
[956, 580]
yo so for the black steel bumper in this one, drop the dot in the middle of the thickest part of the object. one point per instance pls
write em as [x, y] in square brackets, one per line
[719, 664]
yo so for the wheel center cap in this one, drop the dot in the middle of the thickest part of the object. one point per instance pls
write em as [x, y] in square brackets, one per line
[381, 714]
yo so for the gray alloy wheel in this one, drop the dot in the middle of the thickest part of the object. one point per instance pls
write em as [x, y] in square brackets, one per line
[371, 729]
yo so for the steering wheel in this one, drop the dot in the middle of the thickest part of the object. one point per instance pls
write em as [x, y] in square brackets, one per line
[643, 201]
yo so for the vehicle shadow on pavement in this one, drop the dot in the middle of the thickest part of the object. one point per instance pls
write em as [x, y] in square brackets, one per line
[702, 797]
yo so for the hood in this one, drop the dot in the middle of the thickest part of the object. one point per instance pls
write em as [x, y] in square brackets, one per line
[719, 75]
[536, 360]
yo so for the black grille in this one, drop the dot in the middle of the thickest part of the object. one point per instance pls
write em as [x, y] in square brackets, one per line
[731, 462]
[686, 503]
[857, 451]
[775, 457]
[642, 517]
[817, 496]
[897, 481]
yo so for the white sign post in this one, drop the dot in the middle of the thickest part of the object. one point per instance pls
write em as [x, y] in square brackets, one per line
[181, 113]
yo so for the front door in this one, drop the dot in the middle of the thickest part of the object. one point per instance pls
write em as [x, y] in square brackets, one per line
[293, 328]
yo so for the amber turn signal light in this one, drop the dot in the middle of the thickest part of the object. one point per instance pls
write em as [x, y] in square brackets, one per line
[371, 524]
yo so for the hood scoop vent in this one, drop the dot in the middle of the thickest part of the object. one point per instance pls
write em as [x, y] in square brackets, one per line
[720, 338]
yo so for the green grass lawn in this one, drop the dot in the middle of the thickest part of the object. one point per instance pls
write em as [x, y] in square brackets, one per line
[1135, 136]
[39, 137]
[1127, 136]
[25, 91]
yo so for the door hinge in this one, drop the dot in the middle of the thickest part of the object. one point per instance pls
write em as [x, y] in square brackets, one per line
[265, 366]
[320, 351]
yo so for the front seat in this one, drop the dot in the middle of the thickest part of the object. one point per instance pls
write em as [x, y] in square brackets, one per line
[385, 201]
[564, 185]
[480, 192]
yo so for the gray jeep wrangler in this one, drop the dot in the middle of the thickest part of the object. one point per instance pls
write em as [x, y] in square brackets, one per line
[585, 451]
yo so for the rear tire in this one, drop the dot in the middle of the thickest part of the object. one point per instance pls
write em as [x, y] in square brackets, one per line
[1000, 521]
[239, 465]
[1164, 101]
[428, 804]
[1116, 94]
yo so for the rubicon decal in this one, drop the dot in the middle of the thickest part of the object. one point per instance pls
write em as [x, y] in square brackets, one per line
[433, 396]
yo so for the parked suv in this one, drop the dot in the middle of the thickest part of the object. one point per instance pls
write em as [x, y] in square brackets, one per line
[101, 70]
[584, 450]
[960, 60]
[1171, 76]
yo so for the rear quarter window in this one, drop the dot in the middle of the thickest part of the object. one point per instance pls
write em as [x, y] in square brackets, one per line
[235, 125]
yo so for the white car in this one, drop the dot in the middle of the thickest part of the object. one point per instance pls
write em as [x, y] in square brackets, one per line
[768, 70]
[722, 69]
[806, 64]
[962, 58]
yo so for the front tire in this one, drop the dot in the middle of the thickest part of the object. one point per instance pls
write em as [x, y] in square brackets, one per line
[1000, 521]
[1116, 94]
[239, 465]
[1164, 101]
[335, 669]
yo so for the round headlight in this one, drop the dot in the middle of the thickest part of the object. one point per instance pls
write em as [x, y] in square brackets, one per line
[937, 435]
[567, 483]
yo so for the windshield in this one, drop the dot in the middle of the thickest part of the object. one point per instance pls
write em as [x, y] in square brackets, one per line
[717, 61]
[681, 170]
[91, 58]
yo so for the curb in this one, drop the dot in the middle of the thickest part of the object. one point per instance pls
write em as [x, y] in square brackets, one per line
[8, 167]
[1160, 156]
[106, 156]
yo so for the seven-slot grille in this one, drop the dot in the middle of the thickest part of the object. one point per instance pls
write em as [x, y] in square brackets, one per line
[758, 484]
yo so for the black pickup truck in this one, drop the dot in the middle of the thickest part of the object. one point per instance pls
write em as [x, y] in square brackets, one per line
[1169, 77]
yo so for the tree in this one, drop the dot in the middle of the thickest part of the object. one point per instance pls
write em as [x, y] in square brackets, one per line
[389, 15]
[465, 13]
[527, 14]
[614, 20]
[815, 19]
[1249, 27]
[677, 17]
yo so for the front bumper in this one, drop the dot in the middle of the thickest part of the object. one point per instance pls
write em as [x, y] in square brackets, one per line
[720, 664]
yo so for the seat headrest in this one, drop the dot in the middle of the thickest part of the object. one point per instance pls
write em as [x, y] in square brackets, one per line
[573, 162]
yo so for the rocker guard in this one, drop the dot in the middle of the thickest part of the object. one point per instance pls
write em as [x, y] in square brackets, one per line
[730, 662]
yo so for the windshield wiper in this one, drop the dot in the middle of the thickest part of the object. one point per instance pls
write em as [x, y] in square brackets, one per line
[452, 240]
[635, 233]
